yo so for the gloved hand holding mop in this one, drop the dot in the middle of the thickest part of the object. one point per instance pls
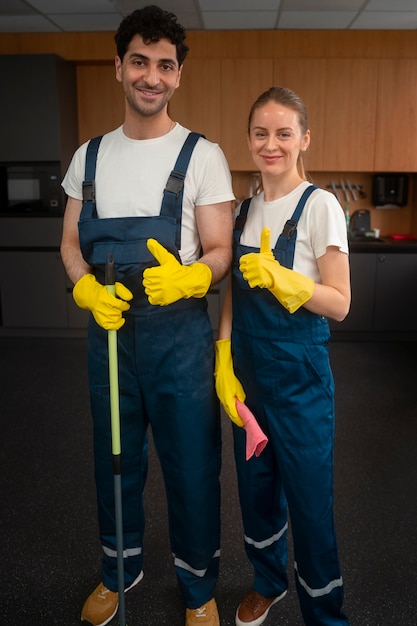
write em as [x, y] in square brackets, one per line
[261, 269]
[170, 281]
[106, 308]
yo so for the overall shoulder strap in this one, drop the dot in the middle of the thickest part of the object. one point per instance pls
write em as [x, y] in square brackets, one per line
[174, 188]
[285, 246]
[89, 186]
[241, 219]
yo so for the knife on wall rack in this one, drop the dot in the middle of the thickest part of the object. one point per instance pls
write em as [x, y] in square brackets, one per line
[342, 184]
[352, 191]
[334, 189]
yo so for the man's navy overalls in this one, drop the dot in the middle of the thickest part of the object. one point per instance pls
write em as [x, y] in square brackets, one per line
[165, 356]
[282, 363]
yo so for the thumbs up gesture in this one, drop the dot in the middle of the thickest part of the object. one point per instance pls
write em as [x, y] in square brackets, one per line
[256, 267]
[170, 281]
[261, 269]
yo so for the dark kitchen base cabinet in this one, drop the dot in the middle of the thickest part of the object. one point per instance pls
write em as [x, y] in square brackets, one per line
[35, 293]
[384, 297]
[36, 296]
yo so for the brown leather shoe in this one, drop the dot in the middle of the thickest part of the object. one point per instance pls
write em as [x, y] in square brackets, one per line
[206, 615]
[254, 608]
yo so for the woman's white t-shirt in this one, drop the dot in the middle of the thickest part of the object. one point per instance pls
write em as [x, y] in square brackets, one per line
[131, 176]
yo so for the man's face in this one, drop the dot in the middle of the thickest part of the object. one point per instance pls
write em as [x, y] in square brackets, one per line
[149, 74]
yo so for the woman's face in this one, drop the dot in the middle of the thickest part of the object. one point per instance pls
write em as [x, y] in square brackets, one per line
[275, 139]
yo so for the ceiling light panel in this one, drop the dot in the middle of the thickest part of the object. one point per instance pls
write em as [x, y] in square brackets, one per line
[14, 7]
[87, 22]
[389, 5]
[321, 5]
[231, 20]
[54, 7]
[26, 24]
[239, 5]
[174, 6]
[386, 20]
[317, 20]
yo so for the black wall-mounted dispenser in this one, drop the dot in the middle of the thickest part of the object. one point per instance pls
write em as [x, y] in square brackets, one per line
[389, 191]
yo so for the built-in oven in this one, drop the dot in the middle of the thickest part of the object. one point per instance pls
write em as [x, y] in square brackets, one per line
[32, 189]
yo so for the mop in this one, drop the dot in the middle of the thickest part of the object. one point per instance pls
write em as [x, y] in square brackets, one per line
[110, 279]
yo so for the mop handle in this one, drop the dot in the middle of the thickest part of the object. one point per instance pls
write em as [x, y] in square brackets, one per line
[110, 279]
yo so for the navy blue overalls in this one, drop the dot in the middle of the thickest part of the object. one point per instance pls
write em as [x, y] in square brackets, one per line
[282, 363]
[165, 356]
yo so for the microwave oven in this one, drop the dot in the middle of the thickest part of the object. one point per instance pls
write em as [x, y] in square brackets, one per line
[32, 189]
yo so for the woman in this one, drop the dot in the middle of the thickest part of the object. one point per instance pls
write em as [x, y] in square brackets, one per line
[278, 336]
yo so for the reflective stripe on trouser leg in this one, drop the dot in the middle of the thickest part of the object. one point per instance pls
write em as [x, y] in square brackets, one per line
[185, 419]
[317, 571]
[293, 401]
[264, 514]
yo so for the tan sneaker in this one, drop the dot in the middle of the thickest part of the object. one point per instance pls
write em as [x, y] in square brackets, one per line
[101, 605]
[254, 609]
[206, 615]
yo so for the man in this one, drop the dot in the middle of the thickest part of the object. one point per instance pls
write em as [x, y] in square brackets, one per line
[167, 253]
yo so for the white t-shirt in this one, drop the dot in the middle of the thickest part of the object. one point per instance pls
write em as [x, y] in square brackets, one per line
[322, 224]
[131, 176]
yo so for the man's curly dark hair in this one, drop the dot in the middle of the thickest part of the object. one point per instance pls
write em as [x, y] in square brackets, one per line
[153, 24]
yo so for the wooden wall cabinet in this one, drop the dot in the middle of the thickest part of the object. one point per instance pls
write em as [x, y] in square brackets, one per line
[197, 103]
[342, 130]
[100, 100]
[307, 77]
[396, 120]
[349, 119]
[242, 81]
[342, 127]
[361, 111]
[214, 98]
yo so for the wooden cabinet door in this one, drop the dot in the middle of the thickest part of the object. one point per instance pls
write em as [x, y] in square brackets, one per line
[349, 115]
[100, 100]
[197, 103]
[396, 134]
[242, 81]
[307, 78]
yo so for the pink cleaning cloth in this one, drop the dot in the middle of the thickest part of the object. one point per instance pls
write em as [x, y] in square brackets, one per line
[256, 439]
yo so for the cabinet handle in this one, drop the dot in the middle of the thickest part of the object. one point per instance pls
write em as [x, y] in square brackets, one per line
[382, 258]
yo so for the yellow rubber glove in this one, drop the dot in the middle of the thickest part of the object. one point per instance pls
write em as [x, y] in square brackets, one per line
[261, 269]
[228, 387]
[107, 310]
[170, 281]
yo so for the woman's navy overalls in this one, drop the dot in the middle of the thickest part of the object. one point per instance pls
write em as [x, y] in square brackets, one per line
[282, 363]
[165, 357]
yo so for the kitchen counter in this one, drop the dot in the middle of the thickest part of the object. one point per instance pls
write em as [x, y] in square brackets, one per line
[383, 244]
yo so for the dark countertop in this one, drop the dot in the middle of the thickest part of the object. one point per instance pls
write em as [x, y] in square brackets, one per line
[384, 244]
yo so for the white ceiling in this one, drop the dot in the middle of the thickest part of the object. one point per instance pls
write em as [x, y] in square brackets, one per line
[48, 16]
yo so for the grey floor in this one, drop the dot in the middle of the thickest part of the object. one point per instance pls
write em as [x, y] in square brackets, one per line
[50, 554]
